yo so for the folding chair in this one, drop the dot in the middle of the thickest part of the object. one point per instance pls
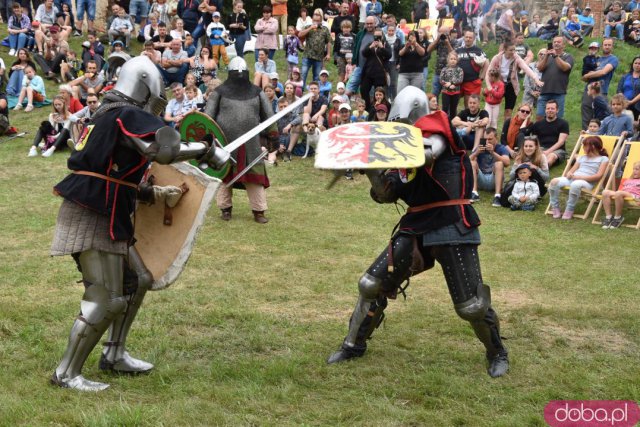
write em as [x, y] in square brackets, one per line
[612, 145]
[626, 161]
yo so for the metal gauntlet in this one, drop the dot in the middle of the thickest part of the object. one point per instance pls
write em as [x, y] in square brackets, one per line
[381, 190]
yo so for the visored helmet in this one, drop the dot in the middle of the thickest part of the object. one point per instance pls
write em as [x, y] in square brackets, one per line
[141, 82]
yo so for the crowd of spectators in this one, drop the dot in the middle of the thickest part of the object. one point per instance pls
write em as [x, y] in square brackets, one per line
[376, 55]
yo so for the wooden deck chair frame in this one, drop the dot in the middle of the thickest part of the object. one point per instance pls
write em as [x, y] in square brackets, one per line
[612, 144]
[631, 158]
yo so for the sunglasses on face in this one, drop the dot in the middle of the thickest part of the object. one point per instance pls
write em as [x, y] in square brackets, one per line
[525, 111]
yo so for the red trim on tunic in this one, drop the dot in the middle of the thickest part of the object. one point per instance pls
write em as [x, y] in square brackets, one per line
[136, 135]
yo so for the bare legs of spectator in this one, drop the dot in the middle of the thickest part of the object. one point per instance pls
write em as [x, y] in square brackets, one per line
[26, 92]
[261, 79]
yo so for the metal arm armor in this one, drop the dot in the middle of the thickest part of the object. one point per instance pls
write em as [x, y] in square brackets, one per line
[381, 190]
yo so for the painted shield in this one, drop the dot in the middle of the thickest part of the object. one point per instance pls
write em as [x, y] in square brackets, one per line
[194, 127]
[370, 145]
[165, 249]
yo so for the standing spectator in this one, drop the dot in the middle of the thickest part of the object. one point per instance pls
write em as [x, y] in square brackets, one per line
[32, 90]
[489, 160]
[18, 26]
[615, 20]
[504, 26]
[522, 49]
[444, 47]
[473, 62]
[336, 25]
[555, 66]
[629, 86]
[162, 40]
[606, 65]
[410, 57]
[362, 17]
[509, 65]
[82, 7]
[121, 27]
[139, 9]
[450, 79]
[552, 133]
[531, 89]
[493, 94]
[215, 32]
[174, 64]
[238, 22]
[374, 74]
[599, 104]
[390, 20]
[318, 47]
[374, 8]
[363, 39]
[189, 11]
[280, 14]
[419, 11]
[587, 21]
[343, 45]
[267, 29]
[392, 65]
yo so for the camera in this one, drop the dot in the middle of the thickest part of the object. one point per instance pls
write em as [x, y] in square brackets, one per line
[483, 142]
[550, 45]
[377, 38]
[442, 37]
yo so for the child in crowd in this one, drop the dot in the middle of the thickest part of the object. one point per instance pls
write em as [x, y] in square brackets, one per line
[361, 114]
[286, 125]
[53, 134]
[493, 94]
[277, 86]
[382, 111]
[349, 68]
[599, 104]
[271, 96]
[32, 89]
[586, 171]
[215, 31]
[333, 115]
[343, 46]
[451, 78]
[629, 188]
[433, 102]
[573, 31]
[190, 81]
[618, 123]
[525, 192]
[188, 45]
[593, 128]
[590, 60]
[191, 104]
[379, 97]
[324, 84]
[341, 88]
[291, 47]
[296, 81]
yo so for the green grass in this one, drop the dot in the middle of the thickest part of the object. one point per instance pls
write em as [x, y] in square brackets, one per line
[242, 337]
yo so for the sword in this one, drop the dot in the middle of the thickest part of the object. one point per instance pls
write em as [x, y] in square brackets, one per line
[249, 166]
[18, 135]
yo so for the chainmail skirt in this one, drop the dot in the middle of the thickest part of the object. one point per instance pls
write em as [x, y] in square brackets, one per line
[79, 229]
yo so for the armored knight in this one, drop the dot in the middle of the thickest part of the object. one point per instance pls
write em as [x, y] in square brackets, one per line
[94, 222]
[439, 225]
[238, 106]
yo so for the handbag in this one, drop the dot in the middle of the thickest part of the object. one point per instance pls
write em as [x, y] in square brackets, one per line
[292, 59]
[386, 73]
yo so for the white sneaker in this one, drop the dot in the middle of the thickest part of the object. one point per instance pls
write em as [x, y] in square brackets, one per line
[12, 52]
[49, 152]
[33, 151]
[18, 107]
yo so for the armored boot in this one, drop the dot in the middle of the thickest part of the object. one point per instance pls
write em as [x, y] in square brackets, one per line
[115, 357]
[488, 332]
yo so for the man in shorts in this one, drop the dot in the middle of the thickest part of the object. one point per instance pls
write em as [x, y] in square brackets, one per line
[473, 62]
[552, 133]
[489, 160]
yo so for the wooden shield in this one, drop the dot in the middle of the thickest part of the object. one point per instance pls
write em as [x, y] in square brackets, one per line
[370, 145]
[165, 249]
[194, 127]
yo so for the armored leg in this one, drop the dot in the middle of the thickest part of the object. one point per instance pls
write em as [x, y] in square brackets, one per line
[115, 356]
[374, 286]
[472, 300]
[101, 303]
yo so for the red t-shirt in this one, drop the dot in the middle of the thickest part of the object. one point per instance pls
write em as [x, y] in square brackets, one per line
[75, 105]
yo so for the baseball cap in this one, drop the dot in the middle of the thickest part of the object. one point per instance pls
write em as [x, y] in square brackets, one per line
[54, 29]
[523, 166]
[587, 7]
[382, 107]
[324, 72]
[343, 106]
[117, 42]
[295, 70]
[214, 14]
[340, 85]
[594, 45]
[336, 98]
[274, 75]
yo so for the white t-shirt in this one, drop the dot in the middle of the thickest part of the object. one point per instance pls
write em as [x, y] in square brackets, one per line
[362, 4]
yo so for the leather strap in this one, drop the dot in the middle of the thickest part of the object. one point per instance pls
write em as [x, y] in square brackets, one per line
[426, 207]
[107, 178]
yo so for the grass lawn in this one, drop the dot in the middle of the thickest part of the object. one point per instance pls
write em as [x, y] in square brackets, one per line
[242, 337]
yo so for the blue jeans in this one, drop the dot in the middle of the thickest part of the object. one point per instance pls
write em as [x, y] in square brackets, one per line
[316, 68]
[239, 44]
[17, 41]
[177, 77]
[619, 31]
[85, 5]
[198, 32]
[354, 81]
[14, 85]
[436, 87]
[139, 8]
[542, 103]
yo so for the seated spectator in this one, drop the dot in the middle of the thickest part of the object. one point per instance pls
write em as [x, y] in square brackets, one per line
[263, 68]
[618, 123]
[587, 21]
[90, 82]
[277, 86]
[149, 51]
[32, 90]
[174, 113]
[629, 188]
[73, 104]
[381, 113]
[632, 29]
[70, 67]
[325, 85]
[151, 29]
[587, 170]
[489, 159]
[191, 105]
[433, 102]
[573, 32]
[162, 40]
[550, 29]
[552, 133]
[174, 64]
[191, 81]
[534, 26]
[178, 32]
[332, 116]
[525, 193]
[614, 20]
[593, 128]
[92, 50]
[55, 51]
[52, 135]
[296, 81]
[18, 27]
[16, 72]
[522, 49]
[361, 114]
[120, 28]
[45, 17]
[530, 154]
[202, 65]
[271, 97]
[470, 123]
[315, 109]
[514, 128]
[379, 97]
[295, 126]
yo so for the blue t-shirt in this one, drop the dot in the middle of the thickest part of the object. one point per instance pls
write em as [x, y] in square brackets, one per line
[606, 79]
[485, 160]
[613, 125]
